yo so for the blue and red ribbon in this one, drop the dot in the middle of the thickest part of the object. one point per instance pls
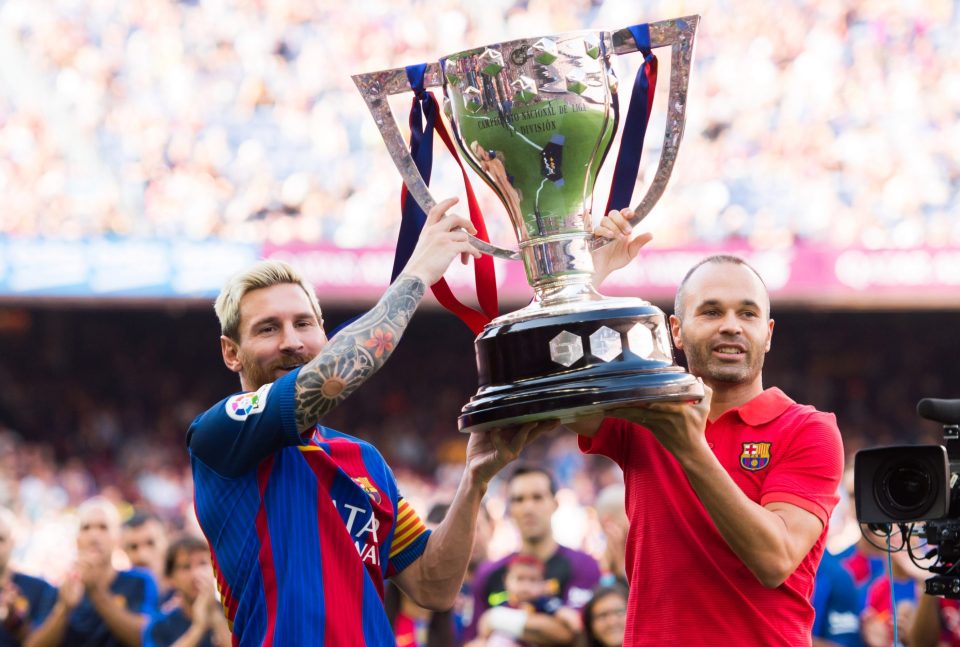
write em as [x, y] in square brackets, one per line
[413, 218]
[635, 125]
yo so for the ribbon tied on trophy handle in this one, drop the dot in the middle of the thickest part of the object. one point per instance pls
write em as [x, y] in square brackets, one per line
[678, 33]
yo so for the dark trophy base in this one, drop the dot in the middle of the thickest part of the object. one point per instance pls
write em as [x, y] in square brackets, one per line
[566, 366]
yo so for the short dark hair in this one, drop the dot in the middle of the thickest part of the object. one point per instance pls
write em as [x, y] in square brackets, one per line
[716, 259]
[522, 470]
[184, 543]
[139, 518]
[617, 588]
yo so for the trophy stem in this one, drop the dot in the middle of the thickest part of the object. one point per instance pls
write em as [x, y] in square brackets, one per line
[559, 268]
[565, 290]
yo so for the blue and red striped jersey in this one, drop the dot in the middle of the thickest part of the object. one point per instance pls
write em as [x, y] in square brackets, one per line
[303, 529]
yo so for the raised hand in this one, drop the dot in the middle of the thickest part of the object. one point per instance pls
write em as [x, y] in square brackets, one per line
[443, 238]
[612, 256]
[205, 603]
[71, 591]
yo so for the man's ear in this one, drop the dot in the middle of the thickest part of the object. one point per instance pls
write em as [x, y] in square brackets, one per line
[675, 332]
[769, 335]
[231, 353]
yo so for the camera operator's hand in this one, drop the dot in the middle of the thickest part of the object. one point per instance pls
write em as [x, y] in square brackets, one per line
[680, 427]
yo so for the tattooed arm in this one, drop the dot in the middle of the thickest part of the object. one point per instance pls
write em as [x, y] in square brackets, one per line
[359, 350]
[356, 353]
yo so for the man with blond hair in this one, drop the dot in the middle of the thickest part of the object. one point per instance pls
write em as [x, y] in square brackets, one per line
[305, 522]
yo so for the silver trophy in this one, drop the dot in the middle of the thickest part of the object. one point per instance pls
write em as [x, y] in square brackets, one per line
[534, 117]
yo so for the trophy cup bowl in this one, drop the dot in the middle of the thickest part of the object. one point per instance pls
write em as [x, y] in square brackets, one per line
[534, 118]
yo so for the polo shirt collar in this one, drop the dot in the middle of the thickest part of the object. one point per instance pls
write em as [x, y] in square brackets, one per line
[765, 407]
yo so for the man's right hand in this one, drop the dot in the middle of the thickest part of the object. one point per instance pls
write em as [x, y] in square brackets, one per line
[444, 236]
[71, 591]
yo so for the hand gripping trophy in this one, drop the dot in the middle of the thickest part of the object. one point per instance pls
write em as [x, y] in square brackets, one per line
[535, 118]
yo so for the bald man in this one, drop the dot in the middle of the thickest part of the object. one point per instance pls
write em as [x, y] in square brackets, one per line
[729, 498]
[98, 605]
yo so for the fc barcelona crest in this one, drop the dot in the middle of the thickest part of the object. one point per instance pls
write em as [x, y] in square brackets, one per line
[368, 487]
[755, 456]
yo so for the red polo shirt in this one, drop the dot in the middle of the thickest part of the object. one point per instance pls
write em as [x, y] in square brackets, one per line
[686, 585]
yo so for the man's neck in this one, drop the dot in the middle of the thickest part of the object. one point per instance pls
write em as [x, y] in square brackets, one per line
[727, 395]
[541, 548]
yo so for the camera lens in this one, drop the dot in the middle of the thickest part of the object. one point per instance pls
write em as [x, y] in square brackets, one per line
[905, 490]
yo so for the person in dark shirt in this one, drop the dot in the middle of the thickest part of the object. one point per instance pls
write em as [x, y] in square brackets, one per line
[570, 574]
[195, 617]
[836, 605]
[525, 587]
[23, 599]
[144, 540]
[97, 605]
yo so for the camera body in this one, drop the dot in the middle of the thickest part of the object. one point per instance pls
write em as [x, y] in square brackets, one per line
[917, 488]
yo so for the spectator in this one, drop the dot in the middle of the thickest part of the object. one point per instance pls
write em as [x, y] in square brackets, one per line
[413, 625]
[570, 574]
[936, 622]
[877, 621]
[196, 618]
[97, 605]
[144, 540]
[463, 608]
[23, 599]
[525, 590]
[611, 513]
[836, 605]
[233, 133]
[604, 617]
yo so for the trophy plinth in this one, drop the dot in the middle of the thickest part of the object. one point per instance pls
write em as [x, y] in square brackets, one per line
[566, 365]
[535, 118]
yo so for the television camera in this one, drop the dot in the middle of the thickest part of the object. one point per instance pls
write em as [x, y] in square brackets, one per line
[914, 491]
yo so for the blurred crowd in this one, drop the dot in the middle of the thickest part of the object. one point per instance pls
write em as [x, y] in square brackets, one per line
[119, 430]
[822, 122]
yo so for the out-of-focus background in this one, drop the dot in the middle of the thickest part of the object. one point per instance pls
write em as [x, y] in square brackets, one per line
[150, 148]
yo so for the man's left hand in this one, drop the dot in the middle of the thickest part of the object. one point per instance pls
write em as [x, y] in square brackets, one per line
[489, 451]
[621, 250]
[680, 427]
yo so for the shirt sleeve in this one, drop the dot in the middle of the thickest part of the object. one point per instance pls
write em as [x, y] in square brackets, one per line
[608, 441]
[409, 538]
[237, 433]
[808, 475]
[152, 634]
[40, 606]
[878, 596]
[586, 575]
[141, 595]
[161, 631]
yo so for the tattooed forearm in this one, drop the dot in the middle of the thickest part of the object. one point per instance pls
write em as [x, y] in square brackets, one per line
[356, 353]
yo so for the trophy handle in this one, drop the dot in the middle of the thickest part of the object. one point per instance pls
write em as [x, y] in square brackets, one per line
[375, 88]
[679, 34]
